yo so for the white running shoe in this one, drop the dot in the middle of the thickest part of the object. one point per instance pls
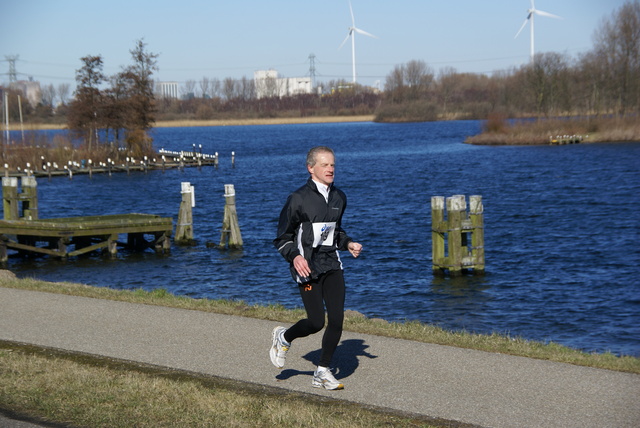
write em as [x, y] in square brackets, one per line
[279, 347]
[323, 378]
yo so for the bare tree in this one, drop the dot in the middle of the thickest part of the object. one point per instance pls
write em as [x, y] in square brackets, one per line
[215, 91]
[229, 88]
[617, 44]
[63, 92]
[418, 76]
[447, 83]
[48, 94]
[395, 83]
[204, 87]
[188, 90]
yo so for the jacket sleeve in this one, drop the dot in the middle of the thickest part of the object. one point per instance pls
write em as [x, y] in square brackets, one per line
[342, 240]
[287, 228]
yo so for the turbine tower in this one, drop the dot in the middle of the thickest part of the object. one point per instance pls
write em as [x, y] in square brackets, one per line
[530, 14]
[352, 30]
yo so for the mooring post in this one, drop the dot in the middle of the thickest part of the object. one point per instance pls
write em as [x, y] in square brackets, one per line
[230, 234]
[476, 214]
[184, 228]
[233, 159]
[29, 198]
[437, 234]
[455, 206]
[458, 241]
[10, 201]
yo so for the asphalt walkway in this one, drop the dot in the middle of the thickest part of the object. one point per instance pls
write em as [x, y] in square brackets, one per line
[474, 387]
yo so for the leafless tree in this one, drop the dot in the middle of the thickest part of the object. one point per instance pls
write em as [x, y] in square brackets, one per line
[229, 88]
[418, 76]
[63, 92]
[214, 91]
[617, 45]
[48, 94]
[204, 87]
[189, 89]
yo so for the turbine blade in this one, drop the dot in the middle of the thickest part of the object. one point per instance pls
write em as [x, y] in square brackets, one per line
[345, 39]
[353, 20]
[359, 31]
[543, 13]
[523, 25]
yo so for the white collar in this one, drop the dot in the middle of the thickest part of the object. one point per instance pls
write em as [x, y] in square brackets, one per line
[323, 189]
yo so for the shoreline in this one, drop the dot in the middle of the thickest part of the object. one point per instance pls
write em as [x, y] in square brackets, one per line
[219, 122]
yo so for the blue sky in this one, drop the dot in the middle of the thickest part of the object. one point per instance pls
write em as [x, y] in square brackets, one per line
[218, 39]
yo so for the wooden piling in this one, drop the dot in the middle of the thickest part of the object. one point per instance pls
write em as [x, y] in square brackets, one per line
[230, 235]
[437, 237]
[29, 198]
[455, 207]
[10, 201]
[476, 214]
[184, 228]
[458, 240]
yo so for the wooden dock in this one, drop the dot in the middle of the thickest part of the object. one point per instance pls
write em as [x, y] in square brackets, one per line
[73, 236]
[22, 230]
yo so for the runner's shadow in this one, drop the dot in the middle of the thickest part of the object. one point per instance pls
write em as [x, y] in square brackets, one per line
[345, 357]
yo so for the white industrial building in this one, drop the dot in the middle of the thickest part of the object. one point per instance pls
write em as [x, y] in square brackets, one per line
[30, 90]
[167, 89]
[269, 84]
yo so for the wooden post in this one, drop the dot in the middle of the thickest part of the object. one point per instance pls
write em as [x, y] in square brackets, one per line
[455, 205]
[112, 245]
[184, 228]
[230, 234]
[10, 201]
[437, 234]
[463, 247]
[476, 214]
[29, 198]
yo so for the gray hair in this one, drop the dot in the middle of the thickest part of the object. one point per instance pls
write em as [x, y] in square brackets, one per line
[311, 155]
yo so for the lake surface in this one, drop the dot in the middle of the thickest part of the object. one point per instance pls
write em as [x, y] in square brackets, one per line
[561, 227]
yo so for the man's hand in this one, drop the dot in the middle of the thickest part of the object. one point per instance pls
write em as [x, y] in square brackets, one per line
[354, 248]
[301, 266]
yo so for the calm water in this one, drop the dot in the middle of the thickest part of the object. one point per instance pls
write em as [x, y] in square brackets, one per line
[561, 227]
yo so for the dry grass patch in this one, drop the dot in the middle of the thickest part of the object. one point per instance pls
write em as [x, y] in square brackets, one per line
[83, 390]
[498, 131]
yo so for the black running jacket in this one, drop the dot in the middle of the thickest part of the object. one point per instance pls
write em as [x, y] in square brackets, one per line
[310, 226]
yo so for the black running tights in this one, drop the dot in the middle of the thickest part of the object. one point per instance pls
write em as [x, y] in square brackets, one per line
[328, 290]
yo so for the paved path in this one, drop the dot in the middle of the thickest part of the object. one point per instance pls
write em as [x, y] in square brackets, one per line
[487, 389]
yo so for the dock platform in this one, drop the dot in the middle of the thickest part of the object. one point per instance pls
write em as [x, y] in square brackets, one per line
[73, 236]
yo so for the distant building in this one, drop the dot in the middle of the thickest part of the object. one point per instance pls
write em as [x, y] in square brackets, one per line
[167, 90]
[268, 83]
[30, 90]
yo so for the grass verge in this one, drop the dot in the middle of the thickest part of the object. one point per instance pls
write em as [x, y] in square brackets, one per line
[354, 321]
[71, 389]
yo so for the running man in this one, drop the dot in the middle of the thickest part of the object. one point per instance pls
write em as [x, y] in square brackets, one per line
[309, 237]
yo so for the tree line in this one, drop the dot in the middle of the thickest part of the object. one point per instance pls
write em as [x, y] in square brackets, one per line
[603, 81]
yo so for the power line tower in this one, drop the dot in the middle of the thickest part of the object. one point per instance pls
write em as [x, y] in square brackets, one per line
[312, 70]
[11, 59]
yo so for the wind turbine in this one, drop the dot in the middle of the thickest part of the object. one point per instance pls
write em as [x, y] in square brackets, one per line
[352, 30]
[531, 13]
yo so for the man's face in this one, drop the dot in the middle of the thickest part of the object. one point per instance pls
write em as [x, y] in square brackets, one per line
[323, 170]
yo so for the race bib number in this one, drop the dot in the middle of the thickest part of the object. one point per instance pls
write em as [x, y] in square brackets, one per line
[323, 234]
